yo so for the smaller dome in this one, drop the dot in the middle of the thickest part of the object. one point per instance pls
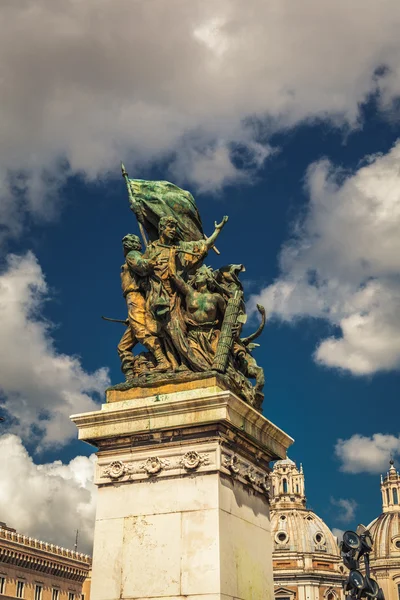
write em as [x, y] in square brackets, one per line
[285, 461]
[302, 531]
[385, 532]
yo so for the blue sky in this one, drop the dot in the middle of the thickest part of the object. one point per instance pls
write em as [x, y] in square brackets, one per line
[307, 167]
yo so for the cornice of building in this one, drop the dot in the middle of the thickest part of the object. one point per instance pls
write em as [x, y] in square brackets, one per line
[285, 554]
[385, 563]
[321, 577]
[30, 553]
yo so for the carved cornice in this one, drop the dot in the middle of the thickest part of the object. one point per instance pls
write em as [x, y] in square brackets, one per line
[189, 411]
[55, 568]
[28, 553]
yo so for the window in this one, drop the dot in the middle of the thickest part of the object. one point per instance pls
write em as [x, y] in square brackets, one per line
[2, 584]
[395, 496]
[38, 592]
[281, 537]
[319, 538]
[55, 594]
[71, 596]
[282, 598]
[284, 482]
[398, 591]
[83, 597]
[387, 496]
[20, 589]
[297, 489]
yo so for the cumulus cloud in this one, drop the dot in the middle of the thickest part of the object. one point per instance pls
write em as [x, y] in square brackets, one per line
[362, 454]
[97, 81]
[343, 264]
[47, 501]
[40, 386]
[338, 533]
[347, 509]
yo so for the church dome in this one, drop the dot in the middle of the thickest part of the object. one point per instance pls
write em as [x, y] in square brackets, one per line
[302, 531]
[294, 527]
[306, 559]
[385, 530]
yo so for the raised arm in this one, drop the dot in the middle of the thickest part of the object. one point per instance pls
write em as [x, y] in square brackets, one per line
[210, 241]
[181, 284]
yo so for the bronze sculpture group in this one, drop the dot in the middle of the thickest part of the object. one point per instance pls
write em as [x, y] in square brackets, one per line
[187, 316]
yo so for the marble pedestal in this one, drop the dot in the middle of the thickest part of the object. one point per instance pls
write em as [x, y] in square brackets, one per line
[183, 498]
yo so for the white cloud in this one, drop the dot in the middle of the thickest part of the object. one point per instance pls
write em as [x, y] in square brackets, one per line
[47, 501]
[343, 264]
[97, 81]
[338, 533]
[347, 509]
[40, 386]
[361, 454]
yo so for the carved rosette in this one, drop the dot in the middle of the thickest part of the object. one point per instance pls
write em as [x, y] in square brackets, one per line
[116, 469]
[153, 465]
[192, 460]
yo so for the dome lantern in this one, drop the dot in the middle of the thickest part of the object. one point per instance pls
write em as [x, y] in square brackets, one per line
[287, 485]
[390, 488]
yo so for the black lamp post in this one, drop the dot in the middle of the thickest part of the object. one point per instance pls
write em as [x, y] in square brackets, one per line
[356, 545]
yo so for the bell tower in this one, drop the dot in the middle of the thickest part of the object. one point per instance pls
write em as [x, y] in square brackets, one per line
[287, 485]
[390, 488]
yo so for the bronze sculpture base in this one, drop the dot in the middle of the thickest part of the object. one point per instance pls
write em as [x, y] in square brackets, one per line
[162, 383]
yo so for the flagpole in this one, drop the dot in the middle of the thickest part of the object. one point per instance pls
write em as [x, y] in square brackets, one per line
[132, 203]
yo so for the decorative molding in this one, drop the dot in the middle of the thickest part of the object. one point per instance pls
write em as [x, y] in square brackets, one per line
[239, 467]
[154, 466]
[117, 469]
[192, 460]
[12, 543]
[26, 558]
[187, 412]
[232, 463]
[183, 461]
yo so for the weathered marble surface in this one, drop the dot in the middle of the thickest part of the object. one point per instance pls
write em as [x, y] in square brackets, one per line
[183, 508]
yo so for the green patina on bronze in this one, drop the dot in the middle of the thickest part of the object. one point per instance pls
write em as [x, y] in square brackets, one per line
[188, 316]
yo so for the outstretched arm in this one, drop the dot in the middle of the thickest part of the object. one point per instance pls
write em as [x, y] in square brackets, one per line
[210, 241]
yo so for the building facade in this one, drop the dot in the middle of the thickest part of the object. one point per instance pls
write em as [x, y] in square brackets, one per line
[306, 558]
[35, 570]
[385, 531]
